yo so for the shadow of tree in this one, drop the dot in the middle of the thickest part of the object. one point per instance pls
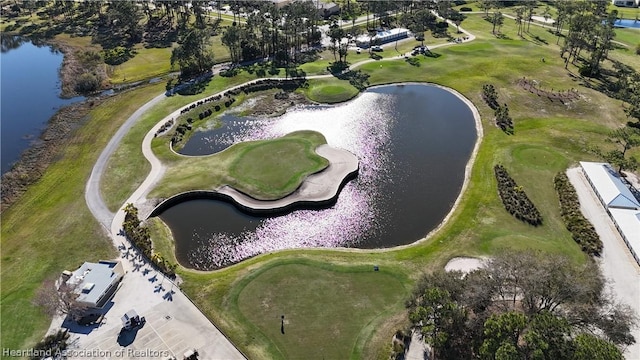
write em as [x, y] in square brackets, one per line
[357, 78]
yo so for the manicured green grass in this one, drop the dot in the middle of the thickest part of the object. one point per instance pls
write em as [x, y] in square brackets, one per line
[630, 37]
[146, 64]
[330, 91]
[265, 169]
[127, 167]
[271, 169]
[50, 229]
[549, 137]
[312, 297]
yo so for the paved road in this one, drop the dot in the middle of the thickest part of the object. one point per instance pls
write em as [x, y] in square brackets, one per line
[616, 262]
[189, 328]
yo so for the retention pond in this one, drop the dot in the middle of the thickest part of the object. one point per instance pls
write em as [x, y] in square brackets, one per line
[413, 142]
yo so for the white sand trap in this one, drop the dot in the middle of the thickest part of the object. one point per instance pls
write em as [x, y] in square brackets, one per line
[542, 19]
[464, 264]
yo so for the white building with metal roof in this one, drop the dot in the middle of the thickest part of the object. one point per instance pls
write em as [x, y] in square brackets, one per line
[611, 189]
[95, 283]
[618, 200]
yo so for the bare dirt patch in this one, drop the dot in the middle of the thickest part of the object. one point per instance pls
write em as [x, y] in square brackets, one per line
[272, 105]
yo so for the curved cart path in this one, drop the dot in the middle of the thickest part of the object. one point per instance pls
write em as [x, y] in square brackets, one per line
[174, 324]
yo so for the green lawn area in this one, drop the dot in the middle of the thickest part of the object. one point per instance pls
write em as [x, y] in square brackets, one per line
[265, 169]
[631, 37]
[50, 229]
[328, 291]
[330, 91]
[127, 167]
[146, 64]
[548, 138]
[311, 296]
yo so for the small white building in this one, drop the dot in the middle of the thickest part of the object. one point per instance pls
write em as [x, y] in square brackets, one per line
[95, 283]
[626, 3]
[382, 37]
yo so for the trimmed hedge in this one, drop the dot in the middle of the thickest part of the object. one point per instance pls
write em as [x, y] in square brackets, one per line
[140, 237]
[581, 229]
[514, 199]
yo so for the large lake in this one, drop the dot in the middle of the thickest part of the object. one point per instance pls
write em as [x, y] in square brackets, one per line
[413, 142]
[29, 94]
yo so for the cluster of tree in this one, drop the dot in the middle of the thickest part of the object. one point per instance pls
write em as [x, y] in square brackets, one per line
[490, 96]
[581, 229]
[626, 87]
[625, 138]
[501, 112]
[167, 125]
[514, 199]
[282, 34]
[57, 297]
[503, 119]
[140, 237]
[590, 29]
[524, 14]
[193, 54]
[52, 345]
[521, 306]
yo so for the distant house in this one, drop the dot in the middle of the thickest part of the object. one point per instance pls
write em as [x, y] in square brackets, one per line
[281, 3]
[382, 37]
[95, 283]
[626, 3]
[328, 9]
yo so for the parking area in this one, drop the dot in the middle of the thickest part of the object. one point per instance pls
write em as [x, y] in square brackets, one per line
[173, 327]
[616, 262]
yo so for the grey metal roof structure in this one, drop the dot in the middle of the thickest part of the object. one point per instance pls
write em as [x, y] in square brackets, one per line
[95, 281]
[613, 192]
[618, 200]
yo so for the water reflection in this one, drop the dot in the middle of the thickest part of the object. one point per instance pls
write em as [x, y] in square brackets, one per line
[413, 142]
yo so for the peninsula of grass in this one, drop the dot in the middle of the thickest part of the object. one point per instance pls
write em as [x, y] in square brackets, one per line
[263, 169]
[330, 91]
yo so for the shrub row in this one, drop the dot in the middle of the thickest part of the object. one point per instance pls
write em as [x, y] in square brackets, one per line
[514, 199]
[165, 127]
[286, 84]
[581, 229]
[200, 103]
[185, 125]
[140, 237]
[503, 120]
[229, 99]
[490, 96]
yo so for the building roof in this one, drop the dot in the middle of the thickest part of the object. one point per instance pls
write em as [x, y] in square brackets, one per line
[612, 190]
[628, 221]
[93, 280]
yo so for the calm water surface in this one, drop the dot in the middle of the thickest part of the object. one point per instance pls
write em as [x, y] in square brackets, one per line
[627, 23]
[29, 94]
[413, 142]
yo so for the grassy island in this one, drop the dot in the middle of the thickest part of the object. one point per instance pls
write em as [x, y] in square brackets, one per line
[263, 169]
